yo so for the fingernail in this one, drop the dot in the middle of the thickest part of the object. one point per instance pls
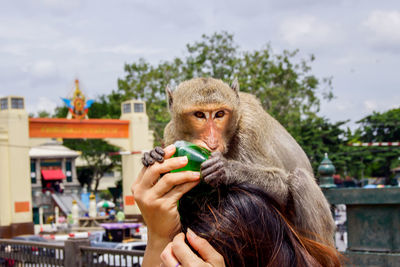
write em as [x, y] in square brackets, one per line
[191, 233]
[196, 174]
[183, 159]
[169, 148]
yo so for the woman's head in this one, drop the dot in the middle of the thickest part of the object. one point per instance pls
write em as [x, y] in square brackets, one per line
[245, 225]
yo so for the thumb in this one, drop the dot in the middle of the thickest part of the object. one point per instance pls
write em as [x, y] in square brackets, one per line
[205, 250]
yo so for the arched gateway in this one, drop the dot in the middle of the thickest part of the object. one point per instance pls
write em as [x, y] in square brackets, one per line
[18, 134]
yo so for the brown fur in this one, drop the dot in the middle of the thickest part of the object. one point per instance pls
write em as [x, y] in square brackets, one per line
[258, 150]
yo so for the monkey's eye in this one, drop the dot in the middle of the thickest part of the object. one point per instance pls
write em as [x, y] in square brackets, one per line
[220, 114]
[199, 114]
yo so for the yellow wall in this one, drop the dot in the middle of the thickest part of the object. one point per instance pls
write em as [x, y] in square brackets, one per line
[16, 151]
[5, 209]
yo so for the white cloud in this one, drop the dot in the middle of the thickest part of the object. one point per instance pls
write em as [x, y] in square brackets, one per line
[383, 27]
[42, 68]
[43, 104]
[307, 30]
[370, 105]
[59, 6]
[13, 49]
[125, 49]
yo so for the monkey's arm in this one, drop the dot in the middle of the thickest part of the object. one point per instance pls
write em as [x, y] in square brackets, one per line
[218, 170]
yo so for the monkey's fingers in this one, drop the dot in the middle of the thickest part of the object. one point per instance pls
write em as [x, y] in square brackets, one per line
[147, 160]
[156, 155]
[159, 150]
[144, 162]
[209, 163]
[214, 166]
[216, 178]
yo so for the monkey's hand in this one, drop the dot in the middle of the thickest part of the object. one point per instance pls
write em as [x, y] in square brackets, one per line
[149, 158]
[215, 170]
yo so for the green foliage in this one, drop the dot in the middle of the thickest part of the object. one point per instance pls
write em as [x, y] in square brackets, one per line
[318, 136]
[40, 114]
[286, 90]
[85, 175]
[378, 127]
[95, 152]
[61, 112]
[43, 114]
[106, 194]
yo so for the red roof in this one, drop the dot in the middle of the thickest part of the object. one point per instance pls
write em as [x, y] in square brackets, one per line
[53, 174]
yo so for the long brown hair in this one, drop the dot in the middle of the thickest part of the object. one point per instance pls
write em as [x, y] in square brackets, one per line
[246, 226]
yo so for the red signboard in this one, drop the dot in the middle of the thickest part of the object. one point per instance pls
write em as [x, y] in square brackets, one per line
[71, 128]
[56, 174]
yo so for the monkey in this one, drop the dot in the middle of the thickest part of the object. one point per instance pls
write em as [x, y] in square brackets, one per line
[247, 145]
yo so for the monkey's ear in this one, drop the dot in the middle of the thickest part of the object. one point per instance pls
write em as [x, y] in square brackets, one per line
[168, 92]
[235, 85]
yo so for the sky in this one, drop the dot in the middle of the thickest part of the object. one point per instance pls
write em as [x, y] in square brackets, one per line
[46, 44]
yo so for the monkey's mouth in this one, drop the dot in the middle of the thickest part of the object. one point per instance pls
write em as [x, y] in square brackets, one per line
[206, 146]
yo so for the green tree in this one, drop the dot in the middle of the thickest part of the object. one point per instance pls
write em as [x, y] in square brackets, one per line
[40, 114]
[378, 127]
[95, 153]
[319, 136]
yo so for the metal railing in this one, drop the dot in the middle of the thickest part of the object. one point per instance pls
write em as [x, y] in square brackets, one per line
[91, 256]
[74, 253]
[30, 253]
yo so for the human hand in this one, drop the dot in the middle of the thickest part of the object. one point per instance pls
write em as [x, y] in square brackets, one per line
[178, 253]
[157, 198]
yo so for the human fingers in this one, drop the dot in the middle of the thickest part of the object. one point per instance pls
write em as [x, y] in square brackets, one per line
[205, 250]
[183, 253]
[178, 191]
[171, 180]
[166, 152]
[138, 178]
[168, 258]
[169, 151]
[153, 173]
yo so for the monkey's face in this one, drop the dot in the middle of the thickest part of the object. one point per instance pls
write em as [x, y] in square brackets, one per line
[209, 126]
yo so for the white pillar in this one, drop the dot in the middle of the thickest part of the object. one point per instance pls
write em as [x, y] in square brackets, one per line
[140, 138]
[92, 206]
[41, 217]
[75, 212]
[56, 214]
